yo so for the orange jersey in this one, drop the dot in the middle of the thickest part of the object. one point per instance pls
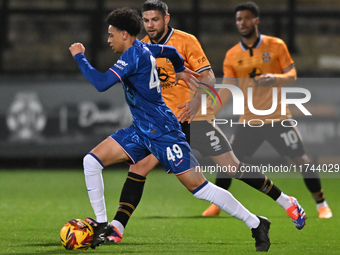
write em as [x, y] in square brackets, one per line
[194, 58]
[269, 55]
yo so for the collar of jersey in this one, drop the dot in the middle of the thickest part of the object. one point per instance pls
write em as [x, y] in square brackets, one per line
[166, 38]
[256, 44]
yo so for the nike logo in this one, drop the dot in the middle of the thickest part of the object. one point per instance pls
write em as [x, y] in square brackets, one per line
[91, 189]
[177, 164]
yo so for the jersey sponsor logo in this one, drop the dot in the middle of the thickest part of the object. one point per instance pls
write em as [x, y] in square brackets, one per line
[164, 78]
[266, 57]
[255, 72]
[162, 74]
[122, 62]
[202, 60]
[118, 66]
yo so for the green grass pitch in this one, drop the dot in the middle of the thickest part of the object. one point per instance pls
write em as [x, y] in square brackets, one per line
[34, 205]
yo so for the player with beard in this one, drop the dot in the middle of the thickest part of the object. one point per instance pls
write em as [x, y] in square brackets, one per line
[263, 63]
[200, 132]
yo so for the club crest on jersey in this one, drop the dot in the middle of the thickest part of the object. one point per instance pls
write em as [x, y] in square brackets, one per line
[266, 57]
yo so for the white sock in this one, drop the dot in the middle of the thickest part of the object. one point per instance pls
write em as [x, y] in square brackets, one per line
[226, 201]
[319, 205]
[284, 201]
[95, 185]
[119, 226]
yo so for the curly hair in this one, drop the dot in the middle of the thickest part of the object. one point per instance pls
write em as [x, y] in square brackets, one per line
[125, 19]
[249, 6]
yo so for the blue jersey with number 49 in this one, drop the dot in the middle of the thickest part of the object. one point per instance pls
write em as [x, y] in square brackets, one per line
[137, 70]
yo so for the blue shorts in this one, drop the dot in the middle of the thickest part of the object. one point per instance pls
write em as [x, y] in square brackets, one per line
[171, 149]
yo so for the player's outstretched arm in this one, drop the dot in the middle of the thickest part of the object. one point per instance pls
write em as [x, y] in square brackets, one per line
[101, 81]
[191, 107]
[189, 77]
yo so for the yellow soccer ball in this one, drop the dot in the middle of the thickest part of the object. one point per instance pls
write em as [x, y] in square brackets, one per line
[76, 234]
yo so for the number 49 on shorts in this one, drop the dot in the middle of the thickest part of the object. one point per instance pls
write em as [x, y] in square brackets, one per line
[174, 150]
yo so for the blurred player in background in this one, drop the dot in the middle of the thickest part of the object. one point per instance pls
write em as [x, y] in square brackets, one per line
[200, 133]
[263, 62]
[155, 128]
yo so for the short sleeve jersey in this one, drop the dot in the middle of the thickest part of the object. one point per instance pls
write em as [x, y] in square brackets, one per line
[194, 58]
[268, 55]
[136, 69]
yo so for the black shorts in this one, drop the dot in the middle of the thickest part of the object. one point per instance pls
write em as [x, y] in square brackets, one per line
[285, 140]
[205, 138]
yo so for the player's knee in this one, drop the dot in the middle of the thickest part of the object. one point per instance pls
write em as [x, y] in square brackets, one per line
[140, 169]
[92, 165]
[144, 166]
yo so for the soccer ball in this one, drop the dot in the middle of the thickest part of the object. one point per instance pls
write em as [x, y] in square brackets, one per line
[76, 234]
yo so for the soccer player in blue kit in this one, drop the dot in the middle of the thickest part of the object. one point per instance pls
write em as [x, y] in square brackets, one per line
[155, 128]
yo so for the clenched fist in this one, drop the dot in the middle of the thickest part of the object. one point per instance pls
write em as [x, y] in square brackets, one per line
[77, 48]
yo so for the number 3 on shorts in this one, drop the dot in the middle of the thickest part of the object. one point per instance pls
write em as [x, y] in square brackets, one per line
[176, 149]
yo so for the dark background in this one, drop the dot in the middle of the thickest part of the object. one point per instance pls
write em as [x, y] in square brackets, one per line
[51, 117]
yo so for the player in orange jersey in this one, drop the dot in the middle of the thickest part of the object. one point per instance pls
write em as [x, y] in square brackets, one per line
[200, 133]
[263, 63]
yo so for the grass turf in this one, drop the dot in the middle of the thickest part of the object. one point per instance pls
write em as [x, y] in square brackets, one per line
[34, 205]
